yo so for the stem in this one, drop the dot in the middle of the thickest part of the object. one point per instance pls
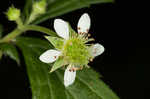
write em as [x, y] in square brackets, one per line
[11, 35]
[19, 22]
[31, 18]
[19, 31]
[41, 29]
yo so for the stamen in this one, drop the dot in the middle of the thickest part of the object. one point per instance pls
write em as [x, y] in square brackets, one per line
[55, 57]
[84, 33]
[80, 32]
[81, 67]
[89, 40]
[89, 35]
[73, 70]
[86, 38]
[87, 30]
[91, 59]
[78, 28]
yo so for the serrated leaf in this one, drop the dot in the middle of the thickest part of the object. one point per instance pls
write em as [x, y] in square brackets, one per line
[47, 85]
[55, 41]
[11, 51]
[60, 7]
[44, 85]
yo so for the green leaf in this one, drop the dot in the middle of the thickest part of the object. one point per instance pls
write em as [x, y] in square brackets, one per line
[11, 51]
[47, 85]
[44, 85]
[1, 53]
[56, 42]
[1, 30]
[60, 7]
[59, 63]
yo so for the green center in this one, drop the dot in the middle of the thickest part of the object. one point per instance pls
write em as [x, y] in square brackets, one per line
[76, 52]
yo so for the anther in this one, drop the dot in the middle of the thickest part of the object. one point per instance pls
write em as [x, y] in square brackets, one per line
[54, 56]
[73, 70]
[80, 32]
[79, 28]
[89, 35]
[93, 39]
[91, 60]
[87, 30]
[81, 67]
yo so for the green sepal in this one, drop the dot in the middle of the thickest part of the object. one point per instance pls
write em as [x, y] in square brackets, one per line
[59, 63]
[56, 42]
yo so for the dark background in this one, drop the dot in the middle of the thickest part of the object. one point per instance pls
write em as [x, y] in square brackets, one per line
[124, 65]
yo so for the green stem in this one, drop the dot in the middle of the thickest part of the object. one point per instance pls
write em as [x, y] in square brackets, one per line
[19, 31]
[11, 35]
[31, 18]
[19, 23]
[41, 29]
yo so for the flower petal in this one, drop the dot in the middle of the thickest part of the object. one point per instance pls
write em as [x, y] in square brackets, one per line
[49, 56]
[69, 77]
[97, 49]
[84, 24]
[61, 27]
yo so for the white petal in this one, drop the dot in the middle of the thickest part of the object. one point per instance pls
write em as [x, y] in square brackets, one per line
[84, 24]
[49, 56]
[61, 28]
[97, 49]
[69, 77]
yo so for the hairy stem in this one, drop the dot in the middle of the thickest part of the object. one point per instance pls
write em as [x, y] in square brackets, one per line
[11, 35]
[18, 31]
[41, 29]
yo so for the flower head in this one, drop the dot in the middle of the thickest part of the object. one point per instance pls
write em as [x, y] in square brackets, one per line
[39, 7]
[13, 13]
[71, 49]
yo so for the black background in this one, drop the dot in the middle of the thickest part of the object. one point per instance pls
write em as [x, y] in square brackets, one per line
[124, 65]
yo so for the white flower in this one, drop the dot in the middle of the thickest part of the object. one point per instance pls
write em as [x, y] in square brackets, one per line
[62, 29]
[97, 49]
[84, 24]
[50, 56]
[69, 76]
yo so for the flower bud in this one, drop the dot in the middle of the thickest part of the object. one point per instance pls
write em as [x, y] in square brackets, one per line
[13, 13]
[39, 7]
